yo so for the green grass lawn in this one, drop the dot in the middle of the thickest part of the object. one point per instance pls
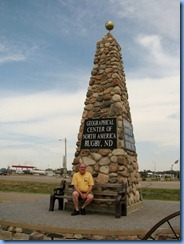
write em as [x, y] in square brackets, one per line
[161, 194]
[27, 186]
[46, 188]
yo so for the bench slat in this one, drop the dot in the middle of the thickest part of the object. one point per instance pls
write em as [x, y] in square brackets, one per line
[96, 195]
[111, 186]
[102, 193]
[95, 199]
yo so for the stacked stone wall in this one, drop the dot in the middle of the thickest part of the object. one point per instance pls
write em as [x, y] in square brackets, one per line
[15, 232]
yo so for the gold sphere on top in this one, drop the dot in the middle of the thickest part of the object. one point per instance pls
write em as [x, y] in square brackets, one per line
[109, 25]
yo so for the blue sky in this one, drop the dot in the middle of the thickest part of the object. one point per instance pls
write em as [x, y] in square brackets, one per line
[47, 49]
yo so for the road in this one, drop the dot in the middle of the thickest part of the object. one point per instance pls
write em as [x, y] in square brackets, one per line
[57, 179]
[161, 184]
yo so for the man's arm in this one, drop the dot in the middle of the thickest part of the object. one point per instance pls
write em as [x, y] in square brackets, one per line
[84, 195]
[89, 190]
[77, 189]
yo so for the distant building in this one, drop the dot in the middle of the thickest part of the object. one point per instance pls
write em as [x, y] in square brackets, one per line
[21, 168]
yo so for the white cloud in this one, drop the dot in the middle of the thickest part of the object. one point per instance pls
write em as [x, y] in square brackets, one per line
[39, 106]
[32, 125]
[153, 45]
[153, 59]
[152, 14]
[16, 51]
[9, 53]
[12, 58]
[155, 106]
[3, 47]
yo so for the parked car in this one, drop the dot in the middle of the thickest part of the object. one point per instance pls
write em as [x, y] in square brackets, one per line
[4, 171]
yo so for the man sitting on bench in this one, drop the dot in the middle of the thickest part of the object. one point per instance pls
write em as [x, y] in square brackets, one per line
[82, 182]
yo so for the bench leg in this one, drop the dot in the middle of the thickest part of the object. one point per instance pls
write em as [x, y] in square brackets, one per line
[52, 202]
[123, 209]
[61, 204]
[118, 210]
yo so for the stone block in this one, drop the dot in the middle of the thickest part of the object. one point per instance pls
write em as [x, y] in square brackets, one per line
[5, 235]
[21, 236]
[36, 236]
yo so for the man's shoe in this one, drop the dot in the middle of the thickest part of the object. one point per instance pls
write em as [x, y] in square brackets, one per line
[83, 211]
[75, 212]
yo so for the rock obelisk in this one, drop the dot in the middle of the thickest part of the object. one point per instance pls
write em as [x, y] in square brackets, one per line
[106, 140]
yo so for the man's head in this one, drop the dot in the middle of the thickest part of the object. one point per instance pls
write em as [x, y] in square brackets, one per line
[82, 168]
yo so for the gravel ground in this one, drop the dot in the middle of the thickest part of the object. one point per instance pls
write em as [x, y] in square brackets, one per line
[33, 209]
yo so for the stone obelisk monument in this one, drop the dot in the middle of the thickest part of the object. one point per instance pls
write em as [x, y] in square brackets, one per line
[106, 140]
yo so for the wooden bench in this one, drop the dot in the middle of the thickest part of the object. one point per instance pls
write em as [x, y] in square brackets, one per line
[104, 193]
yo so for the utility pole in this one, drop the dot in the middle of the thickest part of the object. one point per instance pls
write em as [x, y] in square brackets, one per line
[65, 158]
